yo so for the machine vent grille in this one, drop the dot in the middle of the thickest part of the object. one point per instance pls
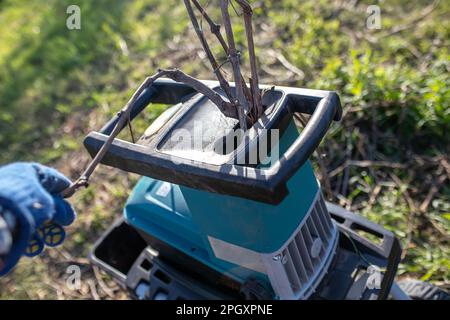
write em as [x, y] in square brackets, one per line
[306, 257]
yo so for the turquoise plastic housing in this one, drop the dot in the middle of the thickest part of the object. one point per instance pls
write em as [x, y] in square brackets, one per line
[184, 217]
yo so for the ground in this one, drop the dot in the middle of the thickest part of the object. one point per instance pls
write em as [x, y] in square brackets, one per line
[387, 160]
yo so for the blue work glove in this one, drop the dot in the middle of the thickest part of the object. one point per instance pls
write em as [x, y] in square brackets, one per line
[33, 209]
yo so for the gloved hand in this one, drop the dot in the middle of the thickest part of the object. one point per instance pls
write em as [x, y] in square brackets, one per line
[30, 201]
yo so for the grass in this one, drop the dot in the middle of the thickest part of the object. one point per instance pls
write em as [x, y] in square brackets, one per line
[388, 158]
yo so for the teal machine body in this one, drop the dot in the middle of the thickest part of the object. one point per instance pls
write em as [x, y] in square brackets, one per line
[187, 218]
[232, 211]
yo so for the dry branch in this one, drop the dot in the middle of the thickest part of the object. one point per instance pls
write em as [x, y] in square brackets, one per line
[216, 68]
[234, 59]
[237, 108]
[179, 76]
[215, 30]
[256, 94]
[285, 63]
[366, 164]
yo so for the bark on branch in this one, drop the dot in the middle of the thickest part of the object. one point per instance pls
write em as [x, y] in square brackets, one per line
[234, 59]
[215, 29]
[216, 68]
[254, 83]
[226, 107]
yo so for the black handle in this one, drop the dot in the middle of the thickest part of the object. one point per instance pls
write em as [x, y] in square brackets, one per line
[265, 185]
[269, 185]
[162, 91]
[327, 110]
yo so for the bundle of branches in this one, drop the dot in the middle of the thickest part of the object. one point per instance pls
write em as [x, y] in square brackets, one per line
[244, 103]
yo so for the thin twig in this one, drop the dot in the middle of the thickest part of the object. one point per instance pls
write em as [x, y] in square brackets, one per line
[109, 291]
[373, 196]
[254, 84]
[285, 63]
[412, 212]
[431, 194]
[215, 30]
[348, 154]
[223, 83]
[227, 108]
[413, 22]
[323, 171]
[234, 59]
[130, 127]
[366, 164]
[93, 289]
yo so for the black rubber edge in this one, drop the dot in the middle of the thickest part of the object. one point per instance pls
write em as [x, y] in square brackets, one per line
[264, 185]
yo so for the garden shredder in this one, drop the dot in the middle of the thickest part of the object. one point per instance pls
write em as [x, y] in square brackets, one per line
[228, 206]
[210, 220]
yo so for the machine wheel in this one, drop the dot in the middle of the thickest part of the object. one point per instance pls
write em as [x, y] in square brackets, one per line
[419, 290]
